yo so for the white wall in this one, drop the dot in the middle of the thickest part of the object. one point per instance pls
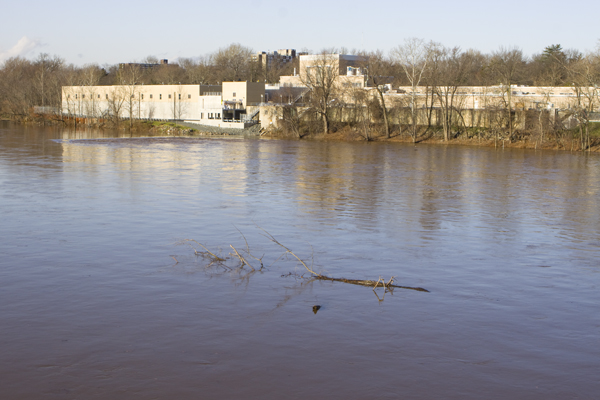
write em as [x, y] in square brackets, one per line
[160, 102]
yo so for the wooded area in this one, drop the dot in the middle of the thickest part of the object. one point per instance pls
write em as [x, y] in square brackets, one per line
[26, 85]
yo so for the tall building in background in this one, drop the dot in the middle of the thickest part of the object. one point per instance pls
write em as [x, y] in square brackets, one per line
[267, 61]
[145, 65]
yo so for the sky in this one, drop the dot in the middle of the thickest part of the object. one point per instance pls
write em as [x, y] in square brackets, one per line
[111, 31]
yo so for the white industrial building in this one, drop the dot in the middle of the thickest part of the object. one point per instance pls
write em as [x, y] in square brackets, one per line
[230, 105]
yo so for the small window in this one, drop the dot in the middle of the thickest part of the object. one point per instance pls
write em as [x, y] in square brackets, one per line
[201, 115]
[98, 96]
[68, 96]
[160, 96]
[83, 96]
[75, 95]
[169, 95]
[179, 96]
[189, 96]
[218, 115]
[234, 95]
[142, 97]
[107, 96]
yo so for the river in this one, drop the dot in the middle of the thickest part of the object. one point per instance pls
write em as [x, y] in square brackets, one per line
[101, 297]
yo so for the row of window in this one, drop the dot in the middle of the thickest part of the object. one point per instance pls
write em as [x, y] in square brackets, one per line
[211, 115]
[189, 96]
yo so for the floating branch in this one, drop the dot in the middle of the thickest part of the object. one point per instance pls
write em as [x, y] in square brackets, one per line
[373, 284]
[316, 275]
[203, 253]
[387, 286]
[288, 251]
[248, 251]
[242, 259]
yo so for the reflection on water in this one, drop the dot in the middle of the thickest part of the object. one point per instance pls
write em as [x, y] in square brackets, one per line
[98, 302]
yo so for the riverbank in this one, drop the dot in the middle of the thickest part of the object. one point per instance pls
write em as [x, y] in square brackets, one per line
[189, 129]
[154, 128]
[568, 140]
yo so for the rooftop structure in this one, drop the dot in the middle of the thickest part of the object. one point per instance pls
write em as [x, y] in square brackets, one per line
[346, 66]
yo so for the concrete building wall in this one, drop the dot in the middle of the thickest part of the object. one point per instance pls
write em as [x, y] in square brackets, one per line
[255, 93]
[235, 92]
[270, 116]
[209, 109]
[246, 93]
[522, 97]
[347, 67]
[139, 101]
[338, 61]
[210, 90]
[201, 103]
[290, 81]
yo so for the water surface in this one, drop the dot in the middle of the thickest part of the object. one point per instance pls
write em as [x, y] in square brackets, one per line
[97, 301]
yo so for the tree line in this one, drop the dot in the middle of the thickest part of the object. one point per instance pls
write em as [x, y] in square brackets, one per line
[435, 78]
[25, 84]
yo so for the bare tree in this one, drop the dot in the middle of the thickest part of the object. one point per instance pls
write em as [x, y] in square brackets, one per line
[167, 74]
[364, 106]
[89, 76]
[117, 100]
[449, 72]
[322, 79]
[549, 67]
[130, 77]
[69, 101]
[233, 63]
[585, 76]
[543, 112]
[379, 72]
[292, 118]
[47, 82]
[507, 64]
[17, 91]
[197, 71]
[179, 107]
[413, 58]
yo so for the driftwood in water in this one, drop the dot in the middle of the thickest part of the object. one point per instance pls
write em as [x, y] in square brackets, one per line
[373, 284]
[315, 275]
[388, 286]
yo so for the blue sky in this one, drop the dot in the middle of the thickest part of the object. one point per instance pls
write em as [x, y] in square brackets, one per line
[111, 31]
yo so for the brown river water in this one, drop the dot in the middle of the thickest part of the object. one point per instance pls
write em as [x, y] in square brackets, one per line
[98, 300]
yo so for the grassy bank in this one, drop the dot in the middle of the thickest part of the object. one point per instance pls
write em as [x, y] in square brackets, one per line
[574, 139]
[567, 139]
[155, 128]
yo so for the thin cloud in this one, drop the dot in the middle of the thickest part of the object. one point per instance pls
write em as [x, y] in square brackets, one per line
[23, 46]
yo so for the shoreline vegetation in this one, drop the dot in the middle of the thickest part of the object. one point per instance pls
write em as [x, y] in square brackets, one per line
[419, 92]
[565, 139]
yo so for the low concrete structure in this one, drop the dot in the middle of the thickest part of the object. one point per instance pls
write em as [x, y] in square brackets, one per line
[223, 105]
[521, 97]
[475, 104]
